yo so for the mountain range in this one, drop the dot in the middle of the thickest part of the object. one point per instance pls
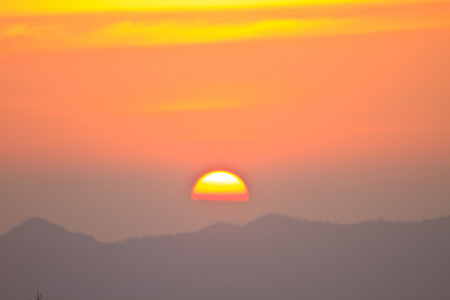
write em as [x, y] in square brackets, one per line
[273, 258]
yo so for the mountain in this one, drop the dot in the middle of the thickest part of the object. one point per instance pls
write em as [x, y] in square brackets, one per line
[273, 257]
[41, 231]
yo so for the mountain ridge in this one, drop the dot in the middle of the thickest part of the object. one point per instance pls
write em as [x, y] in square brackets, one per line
[35, 225]
[273, 258]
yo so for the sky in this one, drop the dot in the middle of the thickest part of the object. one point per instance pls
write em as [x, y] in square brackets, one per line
[328, 110]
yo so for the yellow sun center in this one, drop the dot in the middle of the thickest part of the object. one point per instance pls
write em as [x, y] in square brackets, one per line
[220, 186]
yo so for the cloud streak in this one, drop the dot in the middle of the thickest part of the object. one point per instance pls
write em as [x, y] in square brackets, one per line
[36, 7]
[28, 35]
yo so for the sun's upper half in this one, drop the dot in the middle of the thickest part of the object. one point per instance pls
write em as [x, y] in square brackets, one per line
[221, 186]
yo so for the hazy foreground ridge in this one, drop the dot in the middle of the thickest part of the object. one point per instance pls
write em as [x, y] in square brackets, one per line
[273, 257]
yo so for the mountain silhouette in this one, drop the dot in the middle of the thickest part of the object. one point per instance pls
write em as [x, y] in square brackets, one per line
[42, 231]
[273, 257]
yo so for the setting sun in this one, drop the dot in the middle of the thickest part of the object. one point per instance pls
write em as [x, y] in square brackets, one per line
[220, 186]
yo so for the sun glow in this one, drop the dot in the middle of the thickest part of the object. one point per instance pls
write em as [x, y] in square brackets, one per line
[220, 186]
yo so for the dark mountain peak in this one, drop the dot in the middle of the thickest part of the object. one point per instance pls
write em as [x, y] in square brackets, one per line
[38, 222]
[272, 220]
[220, 228]
[35, 225]
[39, 229]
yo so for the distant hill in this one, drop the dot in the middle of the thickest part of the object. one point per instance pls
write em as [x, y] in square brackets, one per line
[273, 257]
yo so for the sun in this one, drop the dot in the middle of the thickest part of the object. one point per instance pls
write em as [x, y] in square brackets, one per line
[220, 186]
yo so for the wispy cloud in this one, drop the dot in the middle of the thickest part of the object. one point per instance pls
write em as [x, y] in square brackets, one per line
[131, 30]
[36, 7]
[176, 32]
[167, 32]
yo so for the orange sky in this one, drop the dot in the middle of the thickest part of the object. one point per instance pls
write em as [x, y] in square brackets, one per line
[245, 88]
[250, 101]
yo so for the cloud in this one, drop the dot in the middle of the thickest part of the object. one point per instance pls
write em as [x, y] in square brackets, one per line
[35, 7]
[181, 32]
[167, 32]
[31, 31]
[154, 29]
